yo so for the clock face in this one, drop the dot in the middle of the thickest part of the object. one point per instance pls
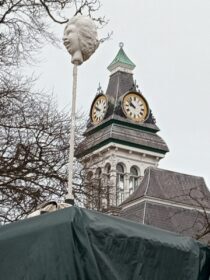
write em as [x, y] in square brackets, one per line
[99, 109]
[135, 107]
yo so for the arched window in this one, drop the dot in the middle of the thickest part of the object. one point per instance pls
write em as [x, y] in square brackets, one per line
[107, 168]
[97, 190]
[120, 182]
[89, 176]
[134, 179]
[98, 172]
[106, 186]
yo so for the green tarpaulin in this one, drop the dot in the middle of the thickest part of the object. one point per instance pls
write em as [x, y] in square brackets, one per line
[78, 244]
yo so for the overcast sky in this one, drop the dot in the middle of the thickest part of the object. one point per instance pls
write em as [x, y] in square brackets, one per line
[169, 41]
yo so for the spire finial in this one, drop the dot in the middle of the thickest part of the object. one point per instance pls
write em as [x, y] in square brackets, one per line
[99, 87]
[99, 90]
[121, 45]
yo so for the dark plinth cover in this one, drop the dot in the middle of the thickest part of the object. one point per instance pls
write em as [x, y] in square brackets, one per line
[77, 244]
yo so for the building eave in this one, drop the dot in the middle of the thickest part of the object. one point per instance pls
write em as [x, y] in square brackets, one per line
[80, 153]
[166, 202]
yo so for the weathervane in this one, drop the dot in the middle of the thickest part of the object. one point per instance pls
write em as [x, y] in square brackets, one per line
[81, 40]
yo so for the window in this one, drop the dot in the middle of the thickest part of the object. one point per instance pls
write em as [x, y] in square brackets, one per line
[120, 182]
[108, 168]
[98, 172]
[96, 195]
[106, 186]
[89, 176]
[107, 173]
[134, 179]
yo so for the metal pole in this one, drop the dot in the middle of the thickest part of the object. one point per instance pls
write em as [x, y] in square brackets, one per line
[69, 196]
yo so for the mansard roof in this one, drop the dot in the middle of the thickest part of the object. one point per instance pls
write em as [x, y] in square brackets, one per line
[171, 186]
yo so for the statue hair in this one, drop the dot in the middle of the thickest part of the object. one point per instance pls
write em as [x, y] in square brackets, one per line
[87, 35]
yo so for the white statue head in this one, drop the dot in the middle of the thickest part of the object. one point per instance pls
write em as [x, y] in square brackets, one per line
[80, 38]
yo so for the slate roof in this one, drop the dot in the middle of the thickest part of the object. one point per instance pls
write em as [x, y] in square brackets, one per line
[134, 213]
[119, 133]
[170, 202]
[172, 186]
[183, 221]
[120, 83]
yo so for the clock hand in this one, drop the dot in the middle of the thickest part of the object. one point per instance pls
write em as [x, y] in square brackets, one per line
[97, 108]
[131, 104]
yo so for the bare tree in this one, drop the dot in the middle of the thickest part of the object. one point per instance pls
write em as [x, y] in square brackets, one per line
[94, 187]
[26, 24]
[193, 221]
[34, 143]
[34, 134]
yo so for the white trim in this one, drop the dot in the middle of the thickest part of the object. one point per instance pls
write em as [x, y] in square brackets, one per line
[145, 193]
[150, 162]
[165, 202]
[145, 205]
[120, 67]
[127, 148]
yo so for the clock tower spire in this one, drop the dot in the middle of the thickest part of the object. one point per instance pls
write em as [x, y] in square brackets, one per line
[121, 62]
[121, 138]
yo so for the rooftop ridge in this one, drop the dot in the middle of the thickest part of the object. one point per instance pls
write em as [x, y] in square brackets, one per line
[173, 171]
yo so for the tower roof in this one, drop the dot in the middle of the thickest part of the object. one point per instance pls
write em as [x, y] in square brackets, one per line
[121, 61]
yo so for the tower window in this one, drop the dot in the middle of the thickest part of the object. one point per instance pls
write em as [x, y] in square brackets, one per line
[120, 183]
[107, 173]
[97, 190]
[108, 168]
[134, 179]
[89, 176]
[98, 172]
[120, 168]
[107, 186]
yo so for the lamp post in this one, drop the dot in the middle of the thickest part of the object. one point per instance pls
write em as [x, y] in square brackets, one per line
[81, 40]
[69, 196]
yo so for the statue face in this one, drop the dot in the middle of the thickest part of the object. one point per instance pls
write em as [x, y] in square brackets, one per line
[71, 42]
[80, 38]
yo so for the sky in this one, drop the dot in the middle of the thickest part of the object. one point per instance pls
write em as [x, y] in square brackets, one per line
[169, 41]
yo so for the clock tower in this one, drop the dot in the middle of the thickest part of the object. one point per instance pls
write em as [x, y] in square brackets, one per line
[121, 138]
